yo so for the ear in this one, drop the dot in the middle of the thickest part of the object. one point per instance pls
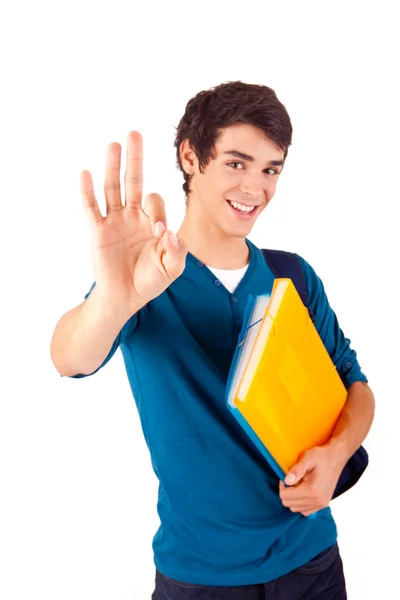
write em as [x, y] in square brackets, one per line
[188, 157]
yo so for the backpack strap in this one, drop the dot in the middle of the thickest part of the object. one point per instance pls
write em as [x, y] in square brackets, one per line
[287, 265]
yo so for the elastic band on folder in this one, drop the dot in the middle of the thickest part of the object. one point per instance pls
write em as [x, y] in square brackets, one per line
[259, 321]
[252, 325]
[273, 323]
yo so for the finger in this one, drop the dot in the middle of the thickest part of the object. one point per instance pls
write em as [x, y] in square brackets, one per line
[174, 255]
[297, 503]
[134, 171]
[304, 466]
[284, 488]
[112, 184]
[89, 201]
[154, 208]
[294, 493]
[307, 513]
[304, 510]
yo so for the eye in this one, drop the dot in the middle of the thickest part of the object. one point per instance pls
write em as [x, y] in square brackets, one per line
[234, 163]
[274, 171]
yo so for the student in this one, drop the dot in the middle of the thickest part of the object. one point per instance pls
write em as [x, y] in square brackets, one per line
[174, 305]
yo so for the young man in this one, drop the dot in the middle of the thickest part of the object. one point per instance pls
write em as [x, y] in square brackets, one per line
[174, 305]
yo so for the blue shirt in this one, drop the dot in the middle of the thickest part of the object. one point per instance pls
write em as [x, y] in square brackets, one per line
[222, 520]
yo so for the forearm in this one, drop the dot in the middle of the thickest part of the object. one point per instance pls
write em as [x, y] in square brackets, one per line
[83, 336]
[354, 422]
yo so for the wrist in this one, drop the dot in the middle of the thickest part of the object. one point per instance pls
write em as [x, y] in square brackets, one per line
[110, 309]
[338, 451]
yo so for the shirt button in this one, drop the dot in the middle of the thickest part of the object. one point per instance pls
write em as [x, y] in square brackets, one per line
[349, 364]
[234, 299]
[217, 282]
[238, 323]
[200, 264]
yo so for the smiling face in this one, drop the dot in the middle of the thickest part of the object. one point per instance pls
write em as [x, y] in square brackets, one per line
[245, 171]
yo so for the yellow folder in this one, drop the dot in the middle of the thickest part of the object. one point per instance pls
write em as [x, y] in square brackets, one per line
[283, 387]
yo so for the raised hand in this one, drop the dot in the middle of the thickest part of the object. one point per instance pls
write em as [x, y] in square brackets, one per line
[135, 257]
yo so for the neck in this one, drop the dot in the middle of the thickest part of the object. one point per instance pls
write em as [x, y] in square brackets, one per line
[212, 246]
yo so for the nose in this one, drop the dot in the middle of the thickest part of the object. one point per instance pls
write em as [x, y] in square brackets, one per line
[252, 185]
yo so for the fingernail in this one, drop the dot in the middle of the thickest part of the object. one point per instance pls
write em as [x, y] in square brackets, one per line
[159, 228]
[290, 478]
[174, 239]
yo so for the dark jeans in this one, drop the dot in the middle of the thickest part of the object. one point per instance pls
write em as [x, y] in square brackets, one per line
[322, 578]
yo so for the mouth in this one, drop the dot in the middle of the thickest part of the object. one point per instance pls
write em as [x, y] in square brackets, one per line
[244, 214]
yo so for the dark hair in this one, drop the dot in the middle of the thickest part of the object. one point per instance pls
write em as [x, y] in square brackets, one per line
[226, 104]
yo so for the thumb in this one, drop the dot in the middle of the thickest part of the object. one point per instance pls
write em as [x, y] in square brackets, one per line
[174, 256]
[297, 472]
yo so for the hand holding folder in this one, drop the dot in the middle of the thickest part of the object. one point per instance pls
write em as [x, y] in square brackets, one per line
[283, 387]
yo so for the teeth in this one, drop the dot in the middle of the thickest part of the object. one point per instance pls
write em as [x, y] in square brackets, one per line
[241, 207]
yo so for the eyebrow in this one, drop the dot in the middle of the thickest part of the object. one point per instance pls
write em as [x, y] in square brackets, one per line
[243, 156]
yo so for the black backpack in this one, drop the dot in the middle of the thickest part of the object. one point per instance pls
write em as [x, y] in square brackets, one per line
[287, 265]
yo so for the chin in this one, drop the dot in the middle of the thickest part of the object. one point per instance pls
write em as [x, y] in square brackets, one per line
[238, 232]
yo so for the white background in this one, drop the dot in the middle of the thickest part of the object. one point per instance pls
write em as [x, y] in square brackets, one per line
[78, 494]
